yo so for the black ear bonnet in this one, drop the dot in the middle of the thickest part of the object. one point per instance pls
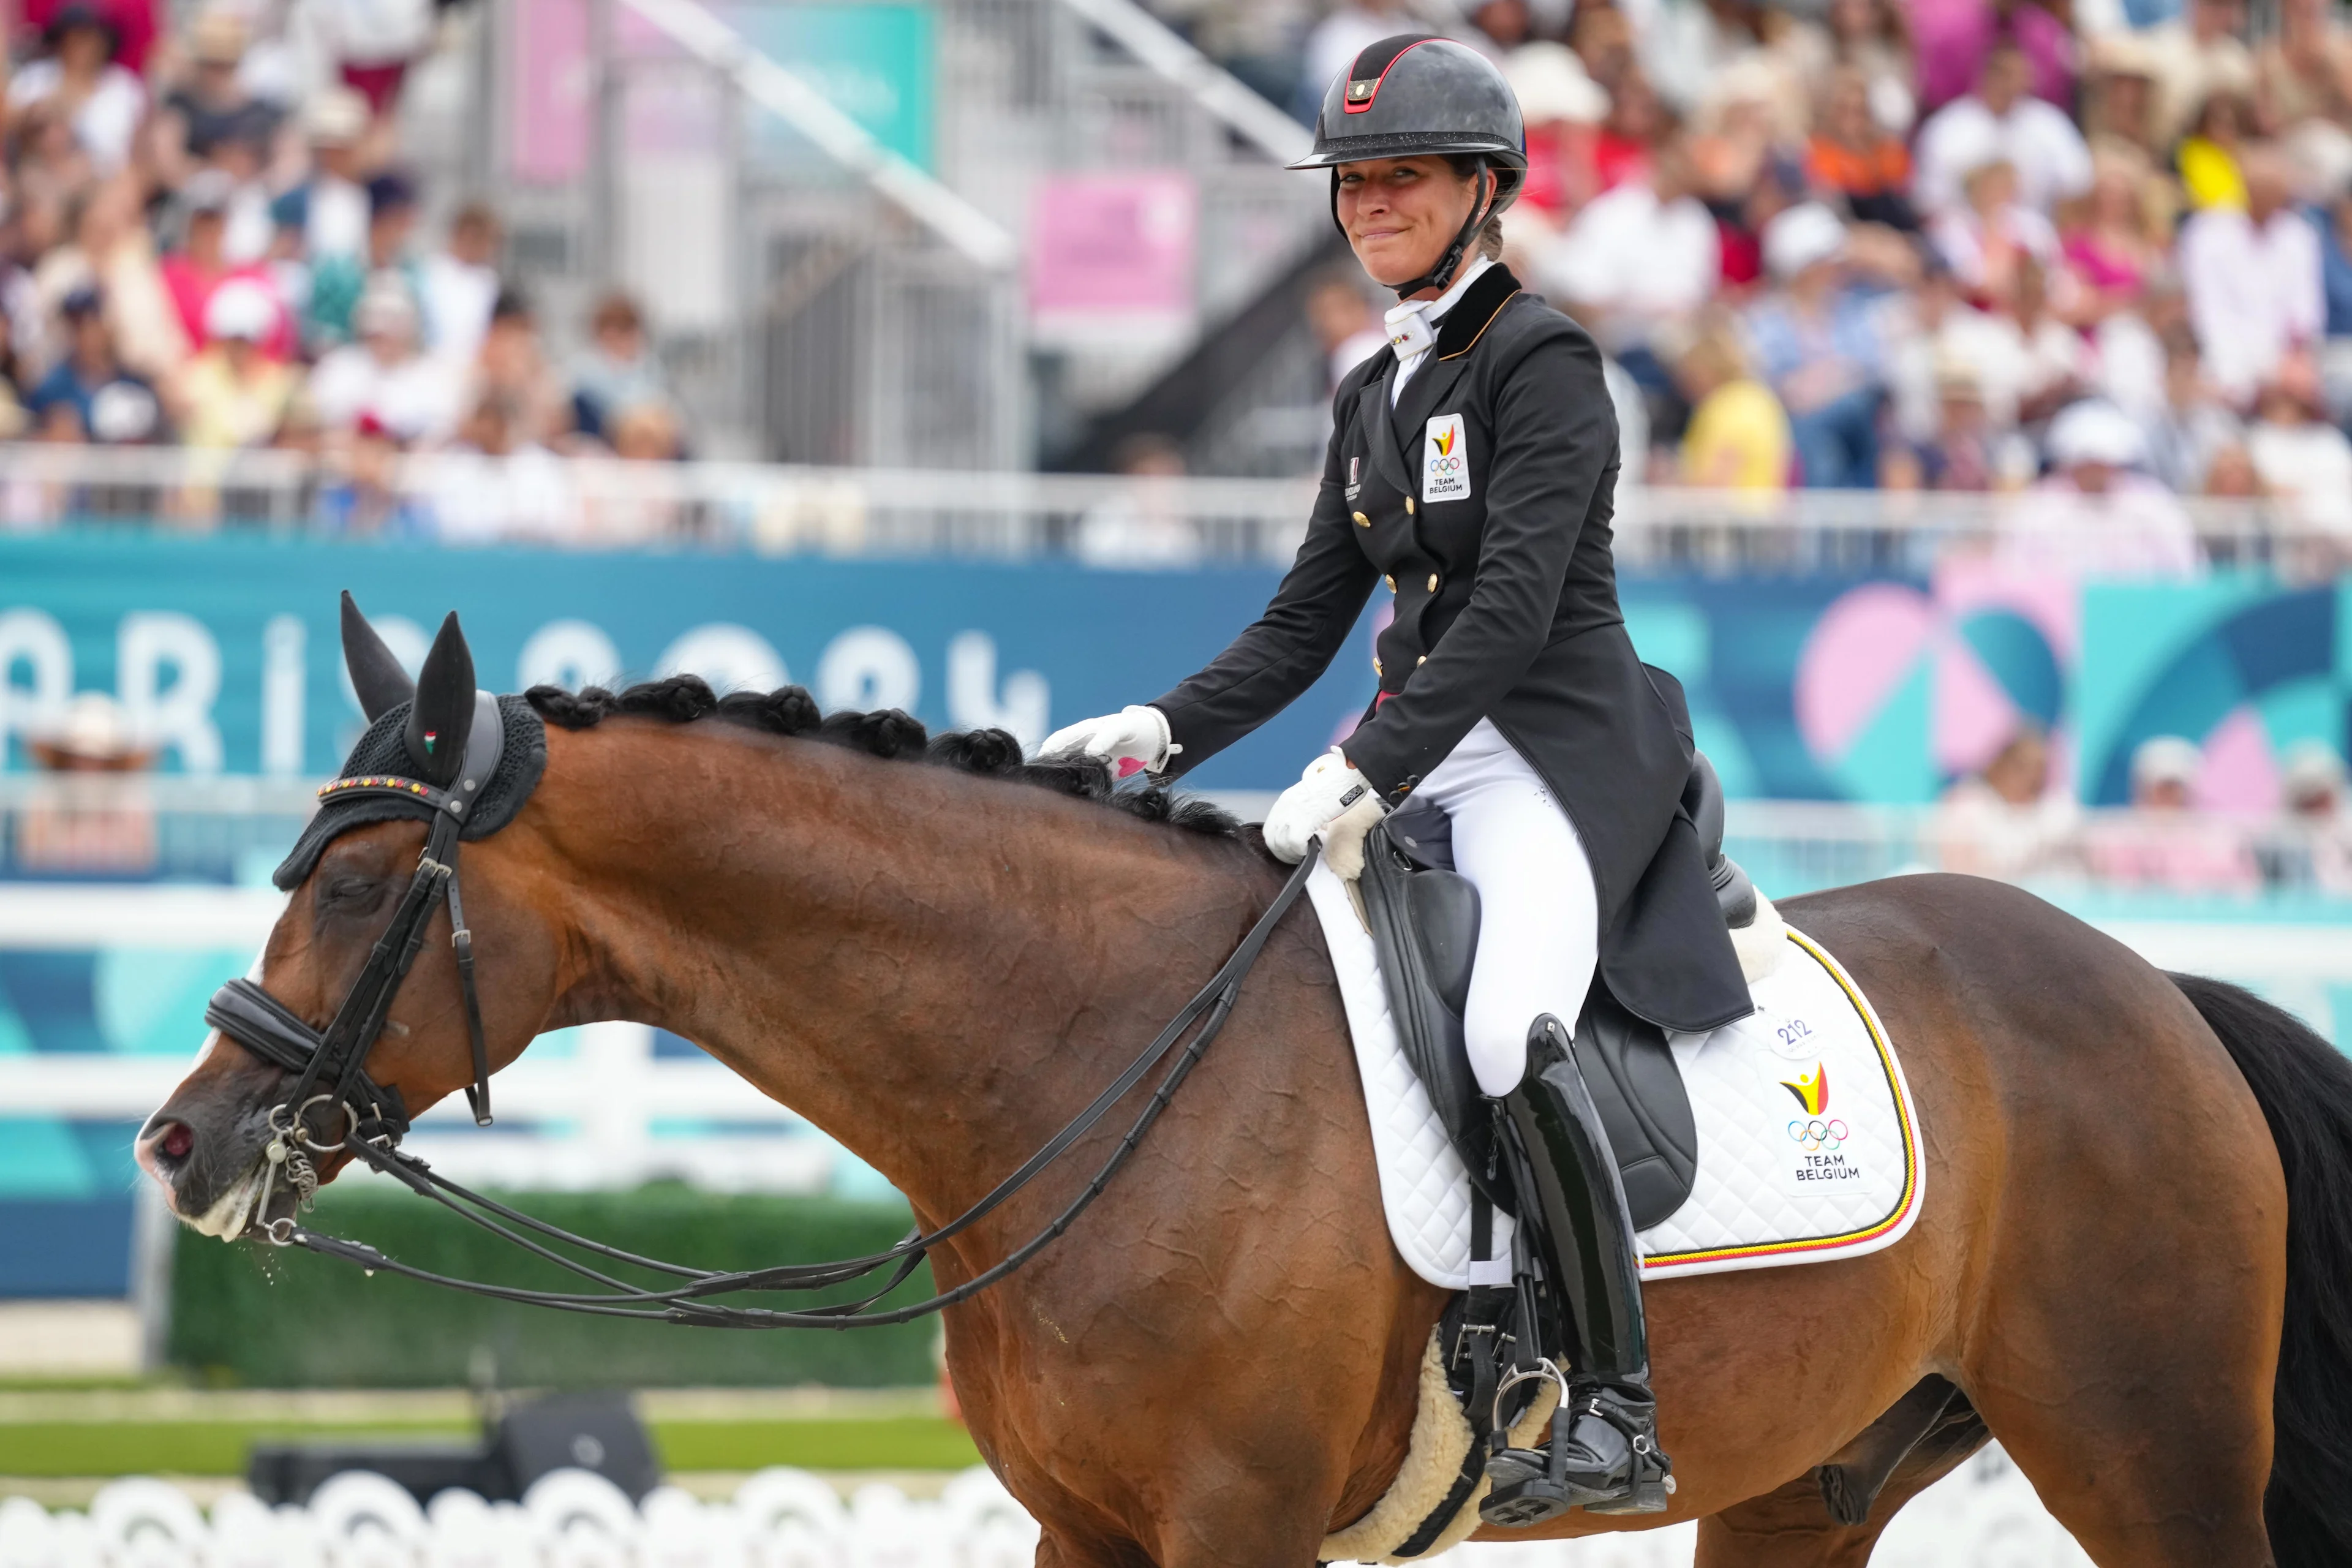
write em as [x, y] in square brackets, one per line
[506, 724]
[413, 737]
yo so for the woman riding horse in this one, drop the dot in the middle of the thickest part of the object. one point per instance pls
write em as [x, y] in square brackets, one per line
[1472, 469]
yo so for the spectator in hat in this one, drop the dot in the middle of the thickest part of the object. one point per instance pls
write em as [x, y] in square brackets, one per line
[1817, 341]
[2000, 120]
[329, 208]
[337, 281]
[2253, 279]
[618, 370]
[2309, 844]
[2193, 56]
[460, 284]
[2120, 92]
[411, 396]
[199, 267]
[1966, 453]
[235, 393]
[63, 828]
[212, 105]
[2098, 515]
[89, 395]
[77, 78]
[2163, 841]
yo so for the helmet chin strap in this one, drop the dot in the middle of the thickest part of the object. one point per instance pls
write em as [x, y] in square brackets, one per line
[1441, 275]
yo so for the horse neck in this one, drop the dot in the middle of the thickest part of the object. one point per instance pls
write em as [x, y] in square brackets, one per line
[935, 968]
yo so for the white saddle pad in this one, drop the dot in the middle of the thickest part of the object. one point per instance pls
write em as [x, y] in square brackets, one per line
[1808, 1147]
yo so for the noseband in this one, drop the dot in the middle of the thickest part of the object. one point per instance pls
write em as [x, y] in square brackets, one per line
[375, 1117]
[375, 1120]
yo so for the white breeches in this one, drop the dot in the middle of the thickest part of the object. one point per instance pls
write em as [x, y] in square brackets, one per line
[1538, 926]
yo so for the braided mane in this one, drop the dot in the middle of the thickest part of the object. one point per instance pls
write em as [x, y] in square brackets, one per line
[889, 733]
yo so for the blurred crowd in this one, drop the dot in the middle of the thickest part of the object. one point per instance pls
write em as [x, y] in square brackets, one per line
[207, 239]
[2009, 821]
[2094, 253]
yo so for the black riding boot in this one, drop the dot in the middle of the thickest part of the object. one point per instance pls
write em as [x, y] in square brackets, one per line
[1605, 1453]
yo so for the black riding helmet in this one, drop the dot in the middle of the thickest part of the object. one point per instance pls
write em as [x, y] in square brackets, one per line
[1416, 95]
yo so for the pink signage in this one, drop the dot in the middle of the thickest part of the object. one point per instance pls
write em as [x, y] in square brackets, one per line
[1113, 243]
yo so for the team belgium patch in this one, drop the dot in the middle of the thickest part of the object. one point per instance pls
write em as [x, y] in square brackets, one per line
[1446, 461]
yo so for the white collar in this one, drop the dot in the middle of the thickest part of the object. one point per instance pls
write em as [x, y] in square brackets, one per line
[1412, 324]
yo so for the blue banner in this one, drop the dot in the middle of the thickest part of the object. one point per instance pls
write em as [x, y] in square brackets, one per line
[225, 653]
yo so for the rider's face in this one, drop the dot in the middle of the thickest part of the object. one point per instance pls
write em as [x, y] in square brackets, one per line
[1402, 213]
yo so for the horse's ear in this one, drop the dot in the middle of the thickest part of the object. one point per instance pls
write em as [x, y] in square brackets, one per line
[376, 676]
[443, 715]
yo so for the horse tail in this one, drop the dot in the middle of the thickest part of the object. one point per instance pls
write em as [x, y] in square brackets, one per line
[2305, 1087]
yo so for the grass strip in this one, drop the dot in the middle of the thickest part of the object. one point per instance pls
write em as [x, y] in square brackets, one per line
[43, 1448]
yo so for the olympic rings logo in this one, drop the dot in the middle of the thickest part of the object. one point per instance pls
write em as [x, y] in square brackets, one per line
[1444, 465]
[1817, 1134]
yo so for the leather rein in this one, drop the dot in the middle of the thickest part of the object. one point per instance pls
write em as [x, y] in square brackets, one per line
[375, 1120]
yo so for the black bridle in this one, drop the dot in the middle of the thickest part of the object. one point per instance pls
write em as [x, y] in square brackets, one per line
[374, 1118]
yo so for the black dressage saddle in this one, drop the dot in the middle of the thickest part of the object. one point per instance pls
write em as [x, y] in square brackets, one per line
[1424, 917]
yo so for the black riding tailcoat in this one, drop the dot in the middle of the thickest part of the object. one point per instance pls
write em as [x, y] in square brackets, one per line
[1483, 500]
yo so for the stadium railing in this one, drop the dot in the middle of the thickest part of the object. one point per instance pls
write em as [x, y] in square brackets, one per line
[604, 503]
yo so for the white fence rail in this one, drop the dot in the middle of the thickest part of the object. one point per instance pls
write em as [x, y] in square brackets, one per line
[596, 1107]
[1985, 1515]
[596, 503]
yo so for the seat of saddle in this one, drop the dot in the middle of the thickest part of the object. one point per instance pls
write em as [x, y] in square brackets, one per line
[1786, 1137]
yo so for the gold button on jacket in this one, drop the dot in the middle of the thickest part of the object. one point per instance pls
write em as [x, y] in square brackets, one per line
[1363, 521]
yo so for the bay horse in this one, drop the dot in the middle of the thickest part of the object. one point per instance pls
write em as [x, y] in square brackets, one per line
[2135, 1259]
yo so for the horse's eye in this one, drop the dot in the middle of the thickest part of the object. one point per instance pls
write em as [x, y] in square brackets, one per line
[345, 893]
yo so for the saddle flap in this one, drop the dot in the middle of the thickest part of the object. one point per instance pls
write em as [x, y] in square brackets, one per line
[1424, 928]
[1631, 1072]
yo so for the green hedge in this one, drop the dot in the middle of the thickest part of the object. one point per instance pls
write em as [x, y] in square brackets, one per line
[265, 1317]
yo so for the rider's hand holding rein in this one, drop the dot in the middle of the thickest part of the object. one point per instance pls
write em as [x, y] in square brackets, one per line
[1330, 798]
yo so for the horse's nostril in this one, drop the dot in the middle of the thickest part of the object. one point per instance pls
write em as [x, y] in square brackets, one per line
[177, 1141]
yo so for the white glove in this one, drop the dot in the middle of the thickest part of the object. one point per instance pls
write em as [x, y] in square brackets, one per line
[1330, 798]
[1134, 737]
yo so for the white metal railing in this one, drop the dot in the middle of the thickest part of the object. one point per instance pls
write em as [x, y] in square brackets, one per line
[1985, 1513]
[595, 502]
